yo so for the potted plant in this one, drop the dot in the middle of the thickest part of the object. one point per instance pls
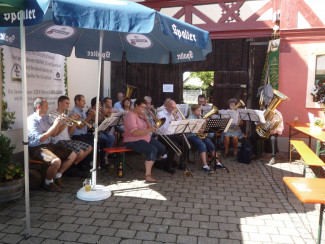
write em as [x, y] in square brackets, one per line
[11, 174]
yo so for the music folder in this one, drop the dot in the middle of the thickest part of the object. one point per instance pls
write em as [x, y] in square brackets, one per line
[115, 119]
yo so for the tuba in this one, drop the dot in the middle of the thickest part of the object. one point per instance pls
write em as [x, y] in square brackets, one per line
[273, 120]
[213, 111]
[129, 90]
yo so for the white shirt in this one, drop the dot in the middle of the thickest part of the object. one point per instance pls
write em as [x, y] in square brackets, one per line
[169, 118]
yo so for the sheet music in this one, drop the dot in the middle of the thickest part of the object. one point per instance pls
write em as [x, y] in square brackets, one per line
[107, 122]
[190, 126]
[231, 114]
[251, 115]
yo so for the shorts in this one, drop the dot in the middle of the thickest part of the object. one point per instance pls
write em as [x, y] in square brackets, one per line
[48, 152]
[75, 146]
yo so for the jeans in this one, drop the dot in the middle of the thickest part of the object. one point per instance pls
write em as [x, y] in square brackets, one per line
[202, 145]
[152, 149]
[107, 139]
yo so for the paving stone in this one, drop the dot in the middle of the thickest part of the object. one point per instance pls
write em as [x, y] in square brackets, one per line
[85, 214]
[32, 240]
[219, 234]
[153, 220]
[173, 222]
[139, 226]
[106, 231]
[125, 233]
[88, 238]
[158, 228]
[110, 240]
[187, 239]
[120, 224]
[198, 232]
[86, 229]
[84, 221]
[178, 230]
[145, 235]
[50, 234]
[281, 239]
[11, 238]
[13, 229]
[102, 222]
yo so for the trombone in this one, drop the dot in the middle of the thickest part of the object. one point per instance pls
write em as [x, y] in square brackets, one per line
[158, 123]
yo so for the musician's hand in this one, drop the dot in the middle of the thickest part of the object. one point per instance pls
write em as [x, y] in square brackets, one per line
[92, 113]
[75, 116]
[175, 116]
[152, 129]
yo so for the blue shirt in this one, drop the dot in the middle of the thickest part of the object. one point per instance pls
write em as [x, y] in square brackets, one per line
[36, 126]
[117, 105]
[83, 115]
[192, 116]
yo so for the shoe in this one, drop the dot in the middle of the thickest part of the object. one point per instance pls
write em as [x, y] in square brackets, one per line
[52, 187]
[272, 161]
[58, 182]
[219, 166]
[150, 179]
[207, 170]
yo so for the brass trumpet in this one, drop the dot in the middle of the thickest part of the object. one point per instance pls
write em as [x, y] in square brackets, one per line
[68, 121]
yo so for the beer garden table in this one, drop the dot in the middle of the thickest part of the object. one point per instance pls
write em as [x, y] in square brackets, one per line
[309, 190]
[304, 128]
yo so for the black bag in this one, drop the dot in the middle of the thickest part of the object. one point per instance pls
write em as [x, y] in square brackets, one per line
[245, 152]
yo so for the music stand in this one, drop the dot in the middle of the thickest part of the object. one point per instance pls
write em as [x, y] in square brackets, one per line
[118, 122]
[182, 127]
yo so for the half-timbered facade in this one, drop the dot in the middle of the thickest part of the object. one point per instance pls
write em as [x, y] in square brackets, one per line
[240, 31]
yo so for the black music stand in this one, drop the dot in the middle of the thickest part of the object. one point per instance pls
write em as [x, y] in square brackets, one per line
[182, 127]
[119, 120]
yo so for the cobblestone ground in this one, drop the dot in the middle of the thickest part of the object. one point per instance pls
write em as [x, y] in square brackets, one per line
[251, 204]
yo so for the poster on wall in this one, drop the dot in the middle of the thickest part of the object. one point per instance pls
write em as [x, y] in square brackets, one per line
[45, 78]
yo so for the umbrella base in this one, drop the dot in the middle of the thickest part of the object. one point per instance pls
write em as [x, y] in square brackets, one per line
[100, 193]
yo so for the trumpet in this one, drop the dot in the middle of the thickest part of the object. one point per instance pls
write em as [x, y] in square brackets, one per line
[158, 124]
[68, 121]
[106, 114]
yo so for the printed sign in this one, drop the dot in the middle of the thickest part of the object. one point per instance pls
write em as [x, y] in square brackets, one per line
[168, 87]
[45, 78]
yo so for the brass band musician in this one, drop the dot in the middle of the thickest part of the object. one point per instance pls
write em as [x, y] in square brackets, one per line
[170, 114]
[203, 145]
[234, 130]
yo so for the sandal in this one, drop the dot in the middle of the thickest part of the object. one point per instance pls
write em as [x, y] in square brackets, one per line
[150, 179]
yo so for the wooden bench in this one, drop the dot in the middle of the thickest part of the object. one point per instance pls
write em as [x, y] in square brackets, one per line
[307, 155]
[120, 162]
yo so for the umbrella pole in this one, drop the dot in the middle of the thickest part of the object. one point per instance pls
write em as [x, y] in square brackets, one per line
[98, 192]
[25, 133]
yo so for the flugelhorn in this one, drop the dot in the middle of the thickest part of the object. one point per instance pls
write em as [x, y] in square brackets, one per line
[239, 104]
[213, 111]
[158, 124]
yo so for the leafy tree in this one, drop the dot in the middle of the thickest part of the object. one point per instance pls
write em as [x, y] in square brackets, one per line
[206, 76]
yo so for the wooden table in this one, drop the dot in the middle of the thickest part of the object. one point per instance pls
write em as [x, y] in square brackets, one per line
[304, 128]
[309, 190]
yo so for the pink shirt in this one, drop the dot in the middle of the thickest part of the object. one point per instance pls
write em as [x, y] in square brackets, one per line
[131, 123]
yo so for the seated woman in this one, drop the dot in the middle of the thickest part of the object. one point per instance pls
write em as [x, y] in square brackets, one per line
[203, 145]
[137, 137]
[234, 130]
[126, 105]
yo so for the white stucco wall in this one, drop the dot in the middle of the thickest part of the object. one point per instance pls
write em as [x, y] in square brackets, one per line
[82, 79]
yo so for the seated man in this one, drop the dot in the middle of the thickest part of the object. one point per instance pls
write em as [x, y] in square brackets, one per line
[118, 104]
[170, 114]
[203, 145]
[58, 158]
[62, 137]
[108, 104]
[234, 130]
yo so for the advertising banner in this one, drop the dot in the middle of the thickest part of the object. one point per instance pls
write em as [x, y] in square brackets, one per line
[45, 78]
